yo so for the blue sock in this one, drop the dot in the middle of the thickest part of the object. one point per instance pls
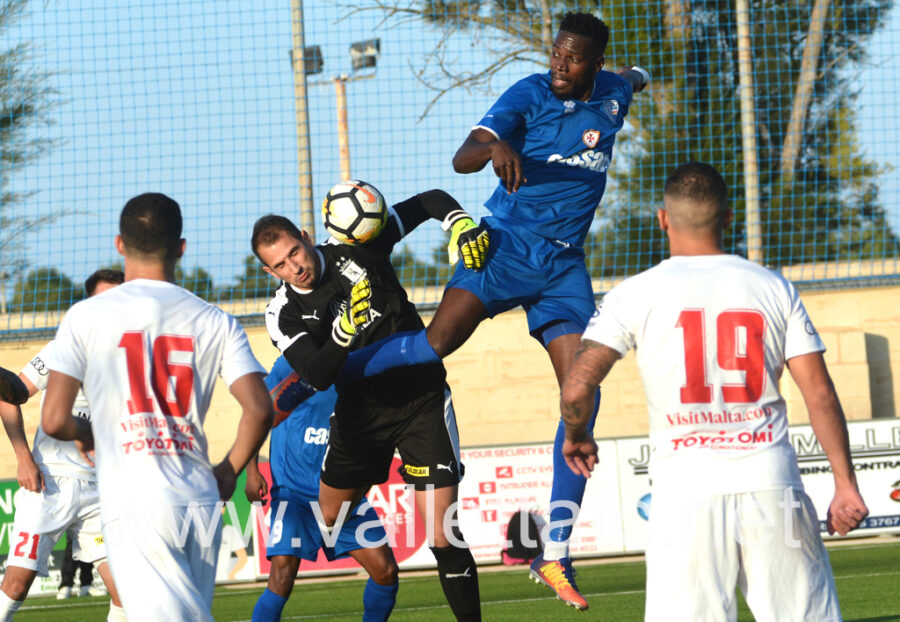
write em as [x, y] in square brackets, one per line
[378, 601]
[398, 350]
[268, 607]
[567, 486]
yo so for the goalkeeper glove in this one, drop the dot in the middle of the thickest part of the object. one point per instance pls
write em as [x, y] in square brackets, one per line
[356, 314]
[466, 238]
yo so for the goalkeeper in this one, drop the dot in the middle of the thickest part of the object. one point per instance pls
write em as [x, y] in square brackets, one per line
[335, 298]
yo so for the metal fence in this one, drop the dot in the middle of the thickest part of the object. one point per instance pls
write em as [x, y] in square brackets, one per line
[235, 109]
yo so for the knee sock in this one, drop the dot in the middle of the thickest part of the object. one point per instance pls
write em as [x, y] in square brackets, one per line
[268, 607]
[398, 350]
[8, 607]
[378, 601]
[116, 614]
[459, 580]
[565, 495]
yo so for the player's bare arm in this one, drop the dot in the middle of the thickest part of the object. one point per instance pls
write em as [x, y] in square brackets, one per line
[255, 488]
[592, 363]
[256, 421]
[12, 389]
[56, 415]
[826, 417]
[638, 77]
[28, 473]
[481, 147]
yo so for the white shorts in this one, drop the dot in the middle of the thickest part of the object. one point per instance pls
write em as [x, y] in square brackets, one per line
[699, 548]
[163, 560]
[66, 504]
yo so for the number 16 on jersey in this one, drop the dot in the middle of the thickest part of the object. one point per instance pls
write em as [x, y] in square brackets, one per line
[171, 380]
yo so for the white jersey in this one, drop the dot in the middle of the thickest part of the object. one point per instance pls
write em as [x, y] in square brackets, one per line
[712, 334]
[147, 354]
[53, 456]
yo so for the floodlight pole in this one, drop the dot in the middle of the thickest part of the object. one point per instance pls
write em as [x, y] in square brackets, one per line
[340, 92]
[301, 106]
[753, 229]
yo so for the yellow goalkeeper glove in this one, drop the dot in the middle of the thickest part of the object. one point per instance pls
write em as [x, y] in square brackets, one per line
[345, 326]
[466, 239]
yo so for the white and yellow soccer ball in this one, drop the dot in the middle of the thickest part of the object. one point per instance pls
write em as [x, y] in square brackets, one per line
[354, 212]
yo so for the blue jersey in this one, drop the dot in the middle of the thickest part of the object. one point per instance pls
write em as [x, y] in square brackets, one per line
[565, 147]
[297, 445]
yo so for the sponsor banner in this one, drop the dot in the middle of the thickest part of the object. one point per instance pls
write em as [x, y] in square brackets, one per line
[500, 481]
[875, 446]
[634, 484]
[394, 503]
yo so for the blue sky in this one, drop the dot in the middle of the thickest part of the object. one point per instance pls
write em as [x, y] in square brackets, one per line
[195, 99]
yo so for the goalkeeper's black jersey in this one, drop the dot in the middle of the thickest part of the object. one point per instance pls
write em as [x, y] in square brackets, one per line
[300, 322]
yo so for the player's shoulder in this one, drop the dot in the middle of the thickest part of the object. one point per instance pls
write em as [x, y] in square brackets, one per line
[533, 87]
[608, 84]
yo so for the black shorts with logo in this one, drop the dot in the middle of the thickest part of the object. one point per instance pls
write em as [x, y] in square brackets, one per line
[364, 434]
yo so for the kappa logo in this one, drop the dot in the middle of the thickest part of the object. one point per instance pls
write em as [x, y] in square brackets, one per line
[591, 138]
[415, 471]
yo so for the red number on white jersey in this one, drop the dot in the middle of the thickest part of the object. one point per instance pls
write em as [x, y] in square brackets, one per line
[739, 347]
[35, 539]
[161, 371]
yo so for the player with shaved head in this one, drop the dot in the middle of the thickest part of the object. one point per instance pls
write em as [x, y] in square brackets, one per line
[147, 354]
[713, 333]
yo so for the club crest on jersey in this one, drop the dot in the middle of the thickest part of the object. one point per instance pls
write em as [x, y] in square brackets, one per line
[591, 138]
[351, 270]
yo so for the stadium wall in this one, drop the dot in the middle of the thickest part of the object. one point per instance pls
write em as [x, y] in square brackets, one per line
[505, 391]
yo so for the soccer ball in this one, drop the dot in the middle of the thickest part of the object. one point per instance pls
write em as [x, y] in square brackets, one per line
[354, 212]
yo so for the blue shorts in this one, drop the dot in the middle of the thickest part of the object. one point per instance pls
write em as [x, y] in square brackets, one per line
[547, 278]
[294, 531]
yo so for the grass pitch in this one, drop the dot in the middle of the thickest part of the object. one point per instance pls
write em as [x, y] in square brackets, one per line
[867, 576]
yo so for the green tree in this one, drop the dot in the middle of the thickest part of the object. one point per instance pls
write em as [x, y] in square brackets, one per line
[26, 99]
[253, 283]
[413, 272]
[819, 193]
[198, 281]
[45, 289]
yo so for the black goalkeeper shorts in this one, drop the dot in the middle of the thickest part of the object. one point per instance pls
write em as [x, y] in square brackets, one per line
[361, 444]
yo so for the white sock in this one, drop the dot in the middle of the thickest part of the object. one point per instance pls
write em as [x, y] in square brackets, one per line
[116, 614]
[555, 550]
[8, 607]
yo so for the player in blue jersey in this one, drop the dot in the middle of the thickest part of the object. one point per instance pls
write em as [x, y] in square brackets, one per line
[549, 139]
[296, 451]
